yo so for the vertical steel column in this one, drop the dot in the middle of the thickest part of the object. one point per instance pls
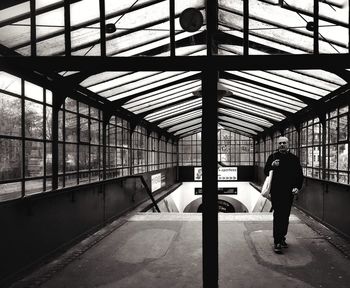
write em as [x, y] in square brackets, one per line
[209, 182]
[103, 27]
[32, 28]
[209, 155]
[324, 146]
[246, 27]
[316, 18]
[56, 102]
[172, 27]
[67, 28]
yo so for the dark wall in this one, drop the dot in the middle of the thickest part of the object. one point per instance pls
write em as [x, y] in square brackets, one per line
[244, 173]
[36, 227]
[326, 201]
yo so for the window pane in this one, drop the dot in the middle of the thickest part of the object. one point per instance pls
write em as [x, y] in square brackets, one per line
[83, 157]
[333, 130]
[71, 104]
[94, 157]
[48, 158]
[83, 109]
[94, 128]
[48, 123]
[71, 127]
[333, 157]
[34, 186]
[343, 128]
[10, 115]
[71, 180]
[33, 91]
[10, 159]
[10, 191]
[34, 159]
[33, 120]
[10, 83]
[343, 157]
[71, 157]
[84, 129]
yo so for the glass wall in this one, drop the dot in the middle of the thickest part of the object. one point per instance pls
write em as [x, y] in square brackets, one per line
[25, 138]
[190, 150]
[26, 142]
[139, 150]
[310, 150]
[337, 149]
[118, 148]
[233, 149]
[79, 144]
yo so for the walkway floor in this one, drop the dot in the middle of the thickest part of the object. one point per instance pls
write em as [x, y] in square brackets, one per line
[152, 250]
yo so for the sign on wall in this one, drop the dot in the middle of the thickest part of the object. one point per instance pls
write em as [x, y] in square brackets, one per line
[157, 181]
[221, 191]
[224, 173]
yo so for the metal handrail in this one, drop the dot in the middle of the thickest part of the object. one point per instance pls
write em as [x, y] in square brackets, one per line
[148, 190]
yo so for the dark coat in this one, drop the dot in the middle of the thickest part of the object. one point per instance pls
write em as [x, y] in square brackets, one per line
[286, 176]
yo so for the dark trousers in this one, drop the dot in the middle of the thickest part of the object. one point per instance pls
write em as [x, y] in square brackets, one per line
[281, 212]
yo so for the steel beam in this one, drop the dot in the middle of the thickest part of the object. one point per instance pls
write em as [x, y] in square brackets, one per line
[98, 64]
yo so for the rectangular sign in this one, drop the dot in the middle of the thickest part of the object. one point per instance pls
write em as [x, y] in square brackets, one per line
[224, 173]
[156, 181]
[221, 191]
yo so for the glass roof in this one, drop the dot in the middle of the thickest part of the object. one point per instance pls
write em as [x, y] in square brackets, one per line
[252, 101]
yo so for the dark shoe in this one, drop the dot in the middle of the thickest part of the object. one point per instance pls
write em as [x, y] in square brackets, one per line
[278, 248]
[284, 244]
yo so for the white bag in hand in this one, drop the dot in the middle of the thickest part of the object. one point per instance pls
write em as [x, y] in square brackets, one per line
[265, 190]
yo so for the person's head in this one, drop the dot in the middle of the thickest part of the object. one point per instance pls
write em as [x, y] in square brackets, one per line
[283, 144]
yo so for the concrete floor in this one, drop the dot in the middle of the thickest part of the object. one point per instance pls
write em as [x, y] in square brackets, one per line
[164, 250]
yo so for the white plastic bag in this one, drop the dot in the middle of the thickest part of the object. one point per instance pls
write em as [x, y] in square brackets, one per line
[265, 190]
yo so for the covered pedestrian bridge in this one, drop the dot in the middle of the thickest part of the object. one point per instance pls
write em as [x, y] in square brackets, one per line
[107, 107]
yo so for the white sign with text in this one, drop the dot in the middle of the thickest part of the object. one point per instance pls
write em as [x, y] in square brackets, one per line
[224, 173]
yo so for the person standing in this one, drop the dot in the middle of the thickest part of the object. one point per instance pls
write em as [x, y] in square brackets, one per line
[286, 182]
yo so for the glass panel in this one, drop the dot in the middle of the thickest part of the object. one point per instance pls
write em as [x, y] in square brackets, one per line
[83, 157]
[34, 120]
[146, 84]
[33, 91]
[10, 115]
[343, 128]
[10, 159]
[71, 157]
[49, 97]
[88, 35]
[50, 31]
[343, 157]
[83, 109]
[9, 191]
[84, 129]
[48, 123]
[94, 157]
[71, 180]
[48, 158]
[94, 128]
[10, 82]
[70, 104]
[333, 157]
[16, 35]
[34, 186]
[71, 127]
[333, 125]
[48, 184]
[120, 41]
[34, 159]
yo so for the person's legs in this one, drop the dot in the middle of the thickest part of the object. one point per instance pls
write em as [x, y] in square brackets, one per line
[278, 225]
[285, 219]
